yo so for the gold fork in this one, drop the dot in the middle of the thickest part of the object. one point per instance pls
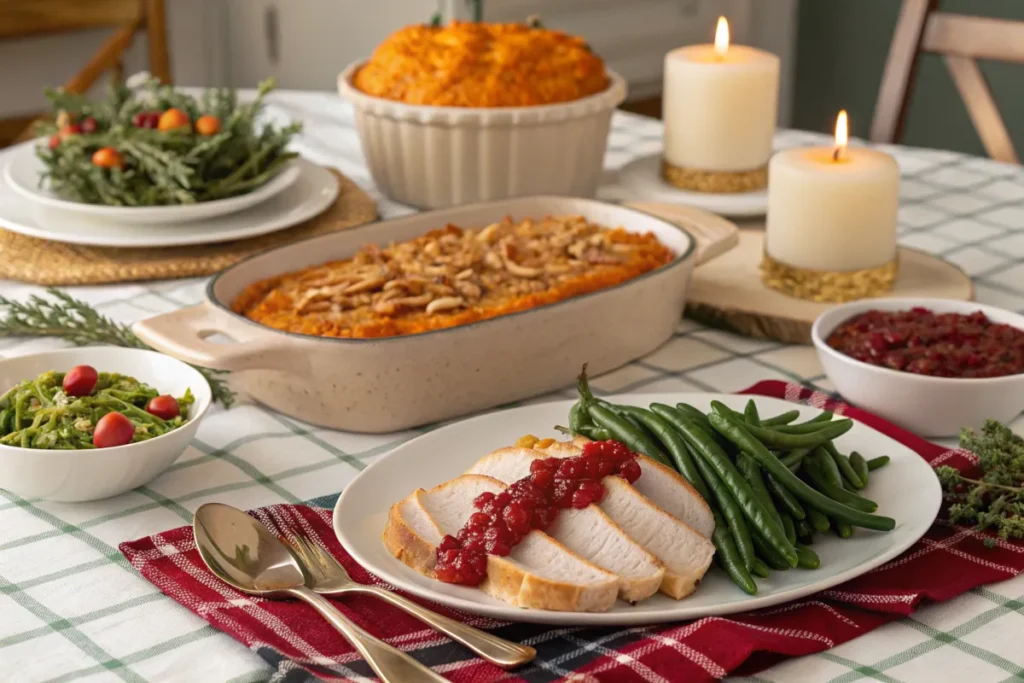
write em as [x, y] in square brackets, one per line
[328, 577]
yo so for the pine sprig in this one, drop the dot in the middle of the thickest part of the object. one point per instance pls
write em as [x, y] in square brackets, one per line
[77, 322]
[995, 500]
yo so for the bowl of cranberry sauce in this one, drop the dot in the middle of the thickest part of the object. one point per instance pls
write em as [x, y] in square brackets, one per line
[932, 366]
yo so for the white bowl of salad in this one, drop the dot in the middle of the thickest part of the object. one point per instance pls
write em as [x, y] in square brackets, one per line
[88, 423]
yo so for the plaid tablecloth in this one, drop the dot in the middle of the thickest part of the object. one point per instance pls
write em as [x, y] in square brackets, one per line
[72, 609]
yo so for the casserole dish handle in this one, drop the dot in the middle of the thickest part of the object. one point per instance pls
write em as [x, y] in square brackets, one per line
[185, 334]
[713, 234]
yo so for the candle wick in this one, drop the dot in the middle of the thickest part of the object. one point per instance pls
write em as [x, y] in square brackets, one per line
[835, 154]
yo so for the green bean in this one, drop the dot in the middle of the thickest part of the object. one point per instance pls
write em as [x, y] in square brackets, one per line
[577, 417]
[738, 434]
[750, 412]
[760, 569]
[595, 433]
[787, 523]
[808, 558]
[818, 521]
[843, 529]
[876, 463]
[829, 467]
[785, 498]
[729, 509]
[845, 468]
[694, 414]
[813, 470]
[623, 430]
[824, 416]
[777, 439]
[781, 419]
[771, 556]
[751, 506]
[860, 466]
[793, 458]
[805, 428]
[752, 473]
[674, 444]
[804, 531]
[728, 556]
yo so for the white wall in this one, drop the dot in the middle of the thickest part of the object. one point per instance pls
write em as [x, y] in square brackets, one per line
[29, 65]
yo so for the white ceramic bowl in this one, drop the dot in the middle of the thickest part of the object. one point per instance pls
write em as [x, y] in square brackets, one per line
[23, 168]
[72, 476]
[433, 157]
[929, 406]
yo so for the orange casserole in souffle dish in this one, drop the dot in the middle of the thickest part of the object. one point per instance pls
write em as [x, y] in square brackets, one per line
[475, 111]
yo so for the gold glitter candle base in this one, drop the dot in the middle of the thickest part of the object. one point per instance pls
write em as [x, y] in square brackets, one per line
[714, 181]
[828, 286]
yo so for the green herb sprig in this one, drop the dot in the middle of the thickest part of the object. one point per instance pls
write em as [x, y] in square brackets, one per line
[77, 322]
[163, 167]
[995, 500]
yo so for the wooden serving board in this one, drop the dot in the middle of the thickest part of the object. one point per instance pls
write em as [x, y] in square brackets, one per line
[727, 292]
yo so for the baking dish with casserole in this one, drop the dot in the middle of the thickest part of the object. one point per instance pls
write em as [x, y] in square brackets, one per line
[386, 383]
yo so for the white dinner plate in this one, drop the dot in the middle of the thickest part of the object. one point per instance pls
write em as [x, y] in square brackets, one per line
[313, 191]
[642, 177]
[906, 490]
[23, 168]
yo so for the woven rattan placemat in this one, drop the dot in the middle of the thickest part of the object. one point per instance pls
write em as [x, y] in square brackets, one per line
[43, 262]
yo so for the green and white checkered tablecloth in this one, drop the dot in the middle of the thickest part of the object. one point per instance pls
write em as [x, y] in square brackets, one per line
[72, 609]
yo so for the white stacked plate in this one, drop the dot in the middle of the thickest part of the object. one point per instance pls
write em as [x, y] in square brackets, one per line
[300, 191]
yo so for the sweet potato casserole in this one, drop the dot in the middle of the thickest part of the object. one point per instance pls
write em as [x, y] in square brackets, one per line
[468, 64]
[452, 276]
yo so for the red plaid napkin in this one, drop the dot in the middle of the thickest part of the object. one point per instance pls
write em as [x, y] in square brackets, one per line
[291, 638]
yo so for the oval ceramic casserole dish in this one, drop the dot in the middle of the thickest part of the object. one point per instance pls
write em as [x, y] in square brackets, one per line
[431, 156]
[391, 383]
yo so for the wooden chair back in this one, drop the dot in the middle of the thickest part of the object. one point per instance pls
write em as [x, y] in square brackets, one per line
[29, 18]
[960, 40]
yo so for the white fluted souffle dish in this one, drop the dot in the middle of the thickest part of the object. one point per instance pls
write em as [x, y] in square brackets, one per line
[433, 157]
[928, 406]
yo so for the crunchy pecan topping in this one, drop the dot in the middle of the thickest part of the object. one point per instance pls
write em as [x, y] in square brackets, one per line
[452, 276]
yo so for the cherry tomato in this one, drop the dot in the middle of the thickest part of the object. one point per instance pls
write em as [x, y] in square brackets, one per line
[173, 119]
[69, 130]
[107, 157]
[54, 141]
[146, 119]
[113, 429]
[164, 407]
[208, 125]
[80, 380]
[90, 125]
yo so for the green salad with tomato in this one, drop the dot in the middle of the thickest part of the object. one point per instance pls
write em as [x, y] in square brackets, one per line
[83, 408]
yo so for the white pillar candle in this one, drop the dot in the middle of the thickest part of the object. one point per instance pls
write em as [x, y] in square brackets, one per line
[719, 105]
[832, 208]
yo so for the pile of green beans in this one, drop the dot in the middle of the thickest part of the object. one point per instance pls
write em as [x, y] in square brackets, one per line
[38, 414]
[771, 484]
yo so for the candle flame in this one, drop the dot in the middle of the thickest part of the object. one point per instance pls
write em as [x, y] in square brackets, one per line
[842, 135]
[722, 37]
